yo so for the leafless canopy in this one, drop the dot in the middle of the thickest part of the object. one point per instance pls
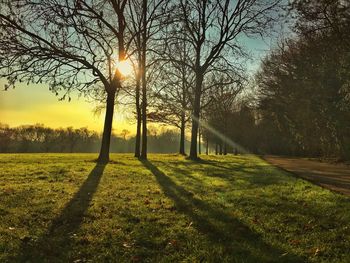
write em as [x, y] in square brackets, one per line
[69, 44]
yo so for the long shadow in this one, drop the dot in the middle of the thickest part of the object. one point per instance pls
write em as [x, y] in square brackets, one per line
[229, 173]
[222, 229]
[56, 244]
[214, 163]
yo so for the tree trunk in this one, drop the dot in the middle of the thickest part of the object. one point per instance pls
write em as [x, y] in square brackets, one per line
[182, 134]
[183, 113]
[207, 147]
[220, 148]
[138, 124]
[144, 130]
[225, 132]
[195, 116]
[199, 141]
[107, 129]
[216, 149]
[143, 81]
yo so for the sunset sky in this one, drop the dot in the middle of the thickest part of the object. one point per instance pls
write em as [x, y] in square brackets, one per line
[36, 104]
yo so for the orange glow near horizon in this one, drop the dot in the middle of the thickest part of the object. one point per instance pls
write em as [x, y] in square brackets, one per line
[28, 105]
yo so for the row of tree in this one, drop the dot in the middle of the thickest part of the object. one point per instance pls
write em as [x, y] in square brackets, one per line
[187, 57]
[182, 50]
[38, 138]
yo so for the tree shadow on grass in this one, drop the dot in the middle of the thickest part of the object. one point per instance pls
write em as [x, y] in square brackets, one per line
[56, 244]
[214, 163]
[236, 241]
[255, 175]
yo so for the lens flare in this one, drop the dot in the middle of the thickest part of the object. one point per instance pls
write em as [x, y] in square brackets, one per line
[124, 67]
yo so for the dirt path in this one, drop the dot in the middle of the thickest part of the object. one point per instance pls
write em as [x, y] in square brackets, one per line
[332, 176]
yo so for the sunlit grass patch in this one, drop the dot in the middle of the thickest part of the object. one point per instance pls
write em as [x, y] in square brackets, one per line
[62, 207]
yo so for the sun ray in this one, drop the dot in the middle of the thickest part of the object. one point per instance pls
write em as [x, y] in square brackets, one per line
[124, 67]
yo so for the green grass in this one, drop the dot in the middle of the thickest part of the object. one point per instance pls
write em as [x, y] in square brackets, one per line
[64, 208]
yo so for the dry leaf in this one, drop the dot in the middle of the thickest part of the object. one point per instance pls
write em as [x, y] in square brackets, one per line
[256, 220]
[295, 242]
[173, 242]
[135, 259]
[127, 245]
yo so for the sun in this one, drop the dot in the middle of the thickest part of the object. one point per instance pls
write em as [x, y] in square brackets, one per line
[125, 67]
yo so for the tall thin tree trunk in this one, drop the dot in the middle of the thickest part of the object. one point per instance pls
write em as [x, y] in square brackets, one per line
[144, 123]
[216, 148]
[143, 81]
[183, 113]
[207, 147]
[138, 124]
[220, 148]
[182, 134]
[107, 130]
[225, 133]
[195, 116]
[199, 141]
[111, 91]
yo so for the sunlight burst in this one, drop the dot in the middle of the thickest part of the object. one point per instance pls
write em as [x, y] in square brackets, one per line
[125, 67]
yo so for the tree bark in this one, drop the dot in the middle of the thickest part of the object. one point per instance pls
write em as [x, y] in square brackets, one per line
[182, 134]
[195, 116]
[138, 124]
[199, 141]
[207, 147]
[107, 129]
[183, 114]
[144, 131]
[225, 133]
[143, 81]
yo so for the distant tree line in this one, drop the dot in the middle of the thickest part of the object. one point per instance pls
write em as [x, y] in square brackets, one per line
[38, 138]
[303, 85]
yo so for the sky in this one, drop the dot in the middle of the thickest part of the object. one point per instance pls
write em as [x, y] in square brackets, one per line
[33, 104]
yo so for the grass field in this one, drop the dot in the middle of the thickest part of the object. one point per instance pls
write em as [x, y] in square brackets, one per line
[64, 208]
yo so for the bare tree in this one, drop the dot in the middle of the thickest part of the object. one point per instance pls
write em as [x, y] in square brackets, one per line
[173, 90]
[222, 105]
[135, 15]
[124, 133]
[146, 19]
[71, 45]
[214, 30]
